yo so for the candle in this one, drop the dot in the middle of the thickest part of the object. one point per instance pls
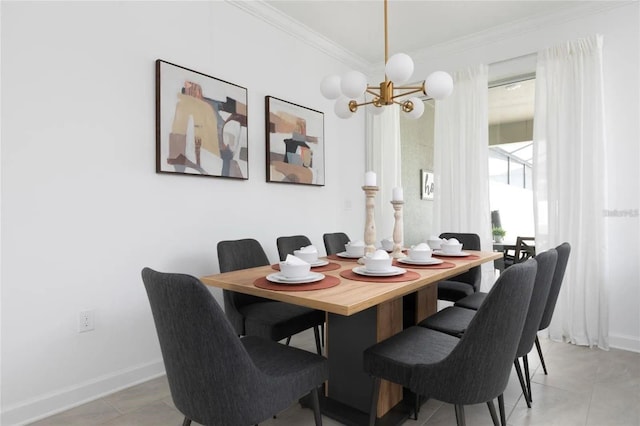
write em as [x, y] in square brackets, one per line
[397, 194]
[370, 179]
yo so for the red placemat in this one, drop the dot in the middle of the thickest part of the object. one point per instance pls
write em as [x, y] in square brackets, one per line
[407, 276]
[443, 265]
[324, 268]
[327, 282]
[344, 259]
[470, 257]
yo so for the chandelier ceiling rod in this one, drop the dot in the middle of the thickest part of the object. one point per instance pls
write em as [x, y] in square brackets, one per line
[386, 37]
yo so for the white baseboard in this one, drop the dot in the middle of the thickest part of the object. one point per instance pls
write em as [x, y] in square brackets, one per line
[72, 396]
[627, 343]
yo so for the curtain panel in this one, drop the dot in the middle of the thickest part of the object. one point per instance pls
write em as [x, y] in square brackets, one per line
[384, 157]
[569, 180]
[461, 161]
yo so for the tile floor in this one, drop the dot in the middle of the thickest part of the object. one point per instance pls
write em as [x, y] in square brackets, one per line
[584, 387]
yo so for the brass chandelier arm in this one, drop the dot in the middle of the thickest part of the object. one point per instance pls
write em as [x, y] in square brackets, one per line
[353, 105]
[418, 90]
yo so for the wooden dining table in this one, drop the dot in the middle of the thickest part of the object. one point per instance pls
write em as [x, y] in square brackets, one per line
[361, 311]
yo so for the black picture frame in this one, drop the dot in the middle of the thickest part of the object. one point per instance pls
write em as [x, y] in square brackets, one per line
[201, 124]
[294, 143]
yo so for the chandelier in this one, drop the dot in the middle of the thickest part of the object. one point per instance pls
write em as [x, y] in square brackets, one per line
[398, 70]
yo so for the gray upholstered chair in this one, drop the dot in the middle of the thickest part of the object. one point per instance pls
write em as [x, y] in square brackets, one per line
[216, 378]
[547, 262]
[473, 301]
[470, 370]
[287, 245]
[455, 320]
[520, 252]
[467, 283]
[257, 316]
[451, 289]
[335, 242]
[564, 250]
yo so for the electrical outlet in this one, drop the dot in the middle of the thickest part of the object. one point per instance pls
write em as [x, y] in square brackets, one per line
[85, 321]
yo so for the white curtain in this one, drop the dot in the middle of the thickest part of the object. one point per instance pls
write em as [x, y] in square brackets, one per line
[569, 178]
[384, 157]
[461, 176]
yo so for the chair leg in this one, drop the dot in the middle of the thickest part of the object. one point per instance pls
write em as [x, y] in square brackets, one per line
[525, 362]
[503, 416]
[492, 411]
[322, 334]
[416, 407]
[516, 363]
[373, 410]
[186, 421]
[544, 367]
[316, 333]
[460, 415]
[315, 402]
[288, 340]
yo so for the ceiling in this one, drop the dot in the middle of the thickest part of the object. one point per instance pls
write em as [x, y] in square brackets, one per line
[357, 26]
[413, 25]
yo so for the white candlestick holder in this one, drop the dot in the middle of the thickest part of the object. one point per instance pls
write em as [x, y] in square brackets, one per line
[370, 223]
[398, 232]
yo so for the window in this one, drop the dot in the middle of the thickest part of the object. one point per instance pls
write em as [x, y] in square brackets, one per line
[511, 108]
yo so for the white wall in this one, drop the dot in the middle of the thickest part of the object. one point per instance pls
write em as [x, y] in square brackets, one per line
[82, 207]
[620, 27]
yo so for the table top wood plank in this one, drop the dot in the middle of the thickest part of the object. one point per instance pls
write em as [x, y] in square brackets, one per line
[349, 297]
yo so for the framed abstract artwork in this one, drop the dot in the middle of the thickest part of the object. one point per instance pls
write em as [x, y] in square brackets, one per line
[295, 143]
[426, 185]
[201, 124]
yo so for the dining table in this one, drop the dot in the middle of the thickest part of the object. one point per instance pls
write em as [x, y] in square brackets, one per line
[361, 310]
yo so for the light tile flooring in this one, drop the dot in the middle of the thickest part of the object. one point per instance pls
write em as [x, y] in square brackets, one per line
[584, 387]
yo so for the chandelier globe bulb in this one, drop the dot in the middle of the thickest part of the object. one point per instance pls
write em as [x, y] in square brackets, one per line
[418, 108]
[439, 85]
[399, 68]
[341, 108]
[353, 84]
[330, 87]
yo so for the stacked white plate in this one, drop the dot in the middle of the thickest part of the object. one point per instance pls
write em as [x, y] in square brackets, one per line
[430, 261]
[458, 254]
[281, 279]
[391, 272]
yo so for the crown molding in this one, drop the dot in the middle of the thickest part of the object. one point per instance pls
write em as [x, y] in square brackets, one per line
[516, 28]
[272, 16]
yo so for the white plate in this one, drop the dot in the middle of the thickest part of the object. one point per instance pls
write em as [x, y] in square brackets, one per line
[393, 271]
[281, 279]
[348, 256]
[319, 262]
[458, 254]
[430, 261]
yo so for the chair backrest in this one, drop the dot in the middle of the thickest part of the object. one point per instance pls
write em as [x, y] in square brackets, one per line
[211, 376]
[335, 242]
[286, 245]
[240, 254]
[547, 261]
[478, 368]
[563, 250]
[232, 256]
[524, 250]
[473, 276]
